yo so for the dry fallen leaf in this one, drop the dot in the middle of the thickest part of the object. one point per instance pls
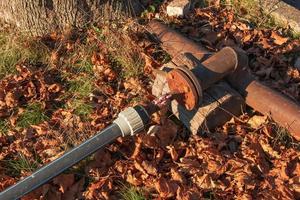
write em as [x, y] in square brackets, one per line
[74, 192]
[149, 167]
[177, 176]
[277, 39]
[256, 121]
[204, 181]
[132, 179]
[167, 133]
[166, 189]
[54, 88]
[172, 151]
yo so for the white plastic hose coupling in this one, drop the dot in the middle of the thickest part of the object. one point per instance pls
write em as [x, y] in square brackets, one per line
[132, 120]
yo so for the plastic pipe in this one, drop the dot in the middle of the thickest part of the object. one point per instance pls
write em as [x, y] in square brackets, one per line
[129, 122]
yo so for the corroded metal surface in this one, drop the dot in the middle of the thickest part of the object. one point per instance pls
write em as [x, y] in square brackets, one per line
[176, 44]
[216, 67]
[261, 98]
[220, 103]
[267, 101]
[183, 89]
[194, 80]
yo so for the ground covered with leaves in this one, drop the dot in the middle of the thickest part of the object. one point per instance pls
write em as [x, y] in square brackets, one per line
[78, 81]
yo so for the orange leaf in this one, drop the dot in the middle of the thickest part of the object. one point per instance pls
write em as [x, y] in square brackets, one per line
[279, 40]
[166, 189]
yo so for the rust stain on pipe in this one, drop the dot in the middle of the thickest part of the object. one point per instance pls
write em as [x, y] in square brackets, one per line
[201, 77]
[183, 88]
[216, 67]
[267, 101]
[258, 96]
[176, 44]
[282, 110]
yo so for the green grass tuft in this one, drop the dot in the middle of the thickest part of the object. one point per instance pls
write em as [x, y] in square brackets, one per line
[125, 56]
[79, 90]
[130, 63]
[14, 50]
[99, 33]
[32, 115]
[82, 55]
[84, 66]
[295, 35]
[81, 108]
[257, 15]
[80, 87]
[132, 193]
[21, 164]
[252, 12]
[3, 127]
[283, 137]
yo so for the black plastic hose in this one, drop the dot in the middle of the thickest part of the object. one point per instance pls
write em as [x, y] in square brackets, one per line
[62, 163]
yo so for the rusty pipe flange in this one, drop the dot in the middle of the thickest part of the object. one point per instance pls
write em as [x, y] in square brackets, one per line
[183, 88]
[194, 80]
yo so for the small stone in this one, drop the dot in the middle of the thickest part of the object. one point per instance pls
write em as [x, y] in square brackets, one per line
[297, 63]
[178, 7]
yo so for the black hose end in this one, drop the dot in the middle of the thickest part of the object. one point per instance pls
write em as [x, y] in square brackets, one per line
[145, 116]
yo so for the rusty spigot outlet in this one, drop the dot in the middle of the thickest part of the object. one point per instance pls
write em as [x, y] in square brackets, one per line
[189, 84]
[258, 96]
[133, 120]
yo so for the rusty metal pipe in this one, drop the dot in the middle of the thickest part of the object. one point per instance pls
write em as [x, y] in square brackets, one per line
[190, 83]
[216, 67]
[261, 98]
[208, 70]
[267, 101]
[176, 44]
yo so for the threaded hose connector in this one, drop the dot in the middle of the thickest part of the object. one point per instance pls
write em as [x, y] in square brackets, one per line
[132, 120]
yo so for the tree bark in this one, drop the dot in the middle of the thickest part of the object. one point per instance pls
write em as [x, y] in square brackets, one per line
[38, 17]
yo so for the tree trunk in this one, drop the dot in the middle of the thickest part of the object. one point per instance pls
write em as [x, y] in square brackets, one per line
[38, 17]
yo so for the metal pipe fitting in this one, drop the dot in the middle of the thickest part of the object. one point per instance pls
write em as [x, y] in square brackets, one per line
[216, 67]
[261, 98]
[189, 84]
